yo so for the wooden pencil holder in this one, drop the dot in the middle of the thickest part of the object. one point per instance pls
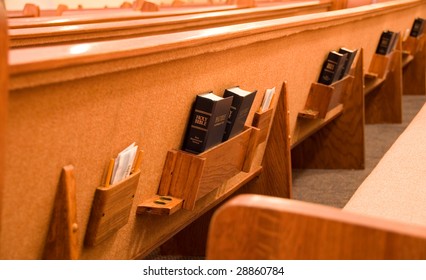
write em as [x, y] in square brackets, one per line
[322, 98]
[188, 177]
[111, 209]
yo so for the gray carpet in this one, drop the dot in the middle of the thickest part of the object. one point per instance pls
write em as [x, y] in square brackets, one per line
[335, 187]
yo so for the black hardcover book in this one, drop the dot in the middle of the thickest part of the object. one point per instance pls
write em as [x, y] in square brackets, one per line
[240, 108]
[417, 28]
[350, 56]
[386, 41]
[207, 122]
[332, 68]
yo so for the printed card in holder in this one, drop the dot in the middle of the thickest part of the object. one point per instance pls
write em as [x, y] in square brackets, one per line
[123, 164]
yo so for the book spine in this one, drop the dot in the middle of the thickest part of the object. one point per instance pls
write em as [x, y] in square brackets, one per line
[384, 43]
[233, 114]
[347, 64]
[218, 121]
[196, 135]
[417, 28]
[329, 69]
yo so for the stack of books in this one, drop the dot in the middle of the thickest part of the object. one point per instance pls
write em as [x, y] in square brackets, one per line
[215, 119]
[387, 42]
[336, 66]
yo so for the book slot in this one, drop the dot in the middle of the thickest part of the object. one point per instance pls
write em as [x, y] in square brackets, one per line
[188, 177]
[380, 67]
[111, 209]
[324, 98]
[413, 45]
[260, 128]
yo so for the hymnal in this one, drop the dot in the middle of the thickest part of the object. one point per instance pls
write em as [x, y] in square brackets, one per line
[417, 28]
[332, 68]
[240, 108]
[348, 61]
[207, 122]
[387, 42]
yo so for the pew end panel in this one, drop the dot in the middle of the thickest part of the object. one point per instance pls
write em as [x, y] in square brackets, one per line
[62, 242]
[383, 88]
[414, 62]
[278, 228]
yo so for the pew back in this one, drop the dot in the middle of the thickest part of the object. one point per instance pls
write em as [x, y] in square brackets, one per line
[277, 228]
[118, 15]
[44, 36]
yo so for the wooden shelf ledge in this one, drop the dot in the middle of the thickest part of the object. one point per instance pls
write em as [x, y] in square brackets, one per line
[371, 82]
[302, 133]
[406, 59]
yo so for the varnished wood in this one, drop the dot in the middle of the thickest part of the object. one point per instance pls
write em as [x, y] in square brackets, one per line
[196, 233]
[318, 99]
[191, 177]
[4, 82]
[308, 125]
[62, 239]
[259, 134]
[414, 83]
[260, 227]
[276, 176]
[340, 143]
[323, 98]
[110, 16]
[121, 90]
[146, 6]
[186, 180]
[383, 103]
[380, 65]
[44, 36]
[160, 205]
[31, 10]
[111, 209]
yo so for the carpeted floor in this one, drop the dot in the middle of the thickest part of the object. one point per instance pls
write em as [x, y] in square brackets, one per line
[335, 187]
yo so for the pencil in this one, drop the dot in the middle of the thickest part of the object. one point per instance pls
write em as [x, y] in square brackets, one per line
[137, 162]
[109, 173]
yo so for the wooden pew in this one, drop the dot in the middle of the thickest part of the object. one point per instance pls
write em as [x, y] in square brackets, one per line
[4, 79]
[33, 10]
[81, 104]
[108, 16]
[45, 36]
[384, 219]
[279, 228]
[29, 10]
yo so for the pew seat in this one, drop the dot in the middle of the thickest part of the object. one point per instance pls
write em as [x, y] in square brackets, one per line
[384, 219]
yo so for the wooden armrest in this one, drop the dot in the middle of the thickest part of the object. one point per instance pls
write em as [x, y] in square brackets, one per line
[261, 227]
